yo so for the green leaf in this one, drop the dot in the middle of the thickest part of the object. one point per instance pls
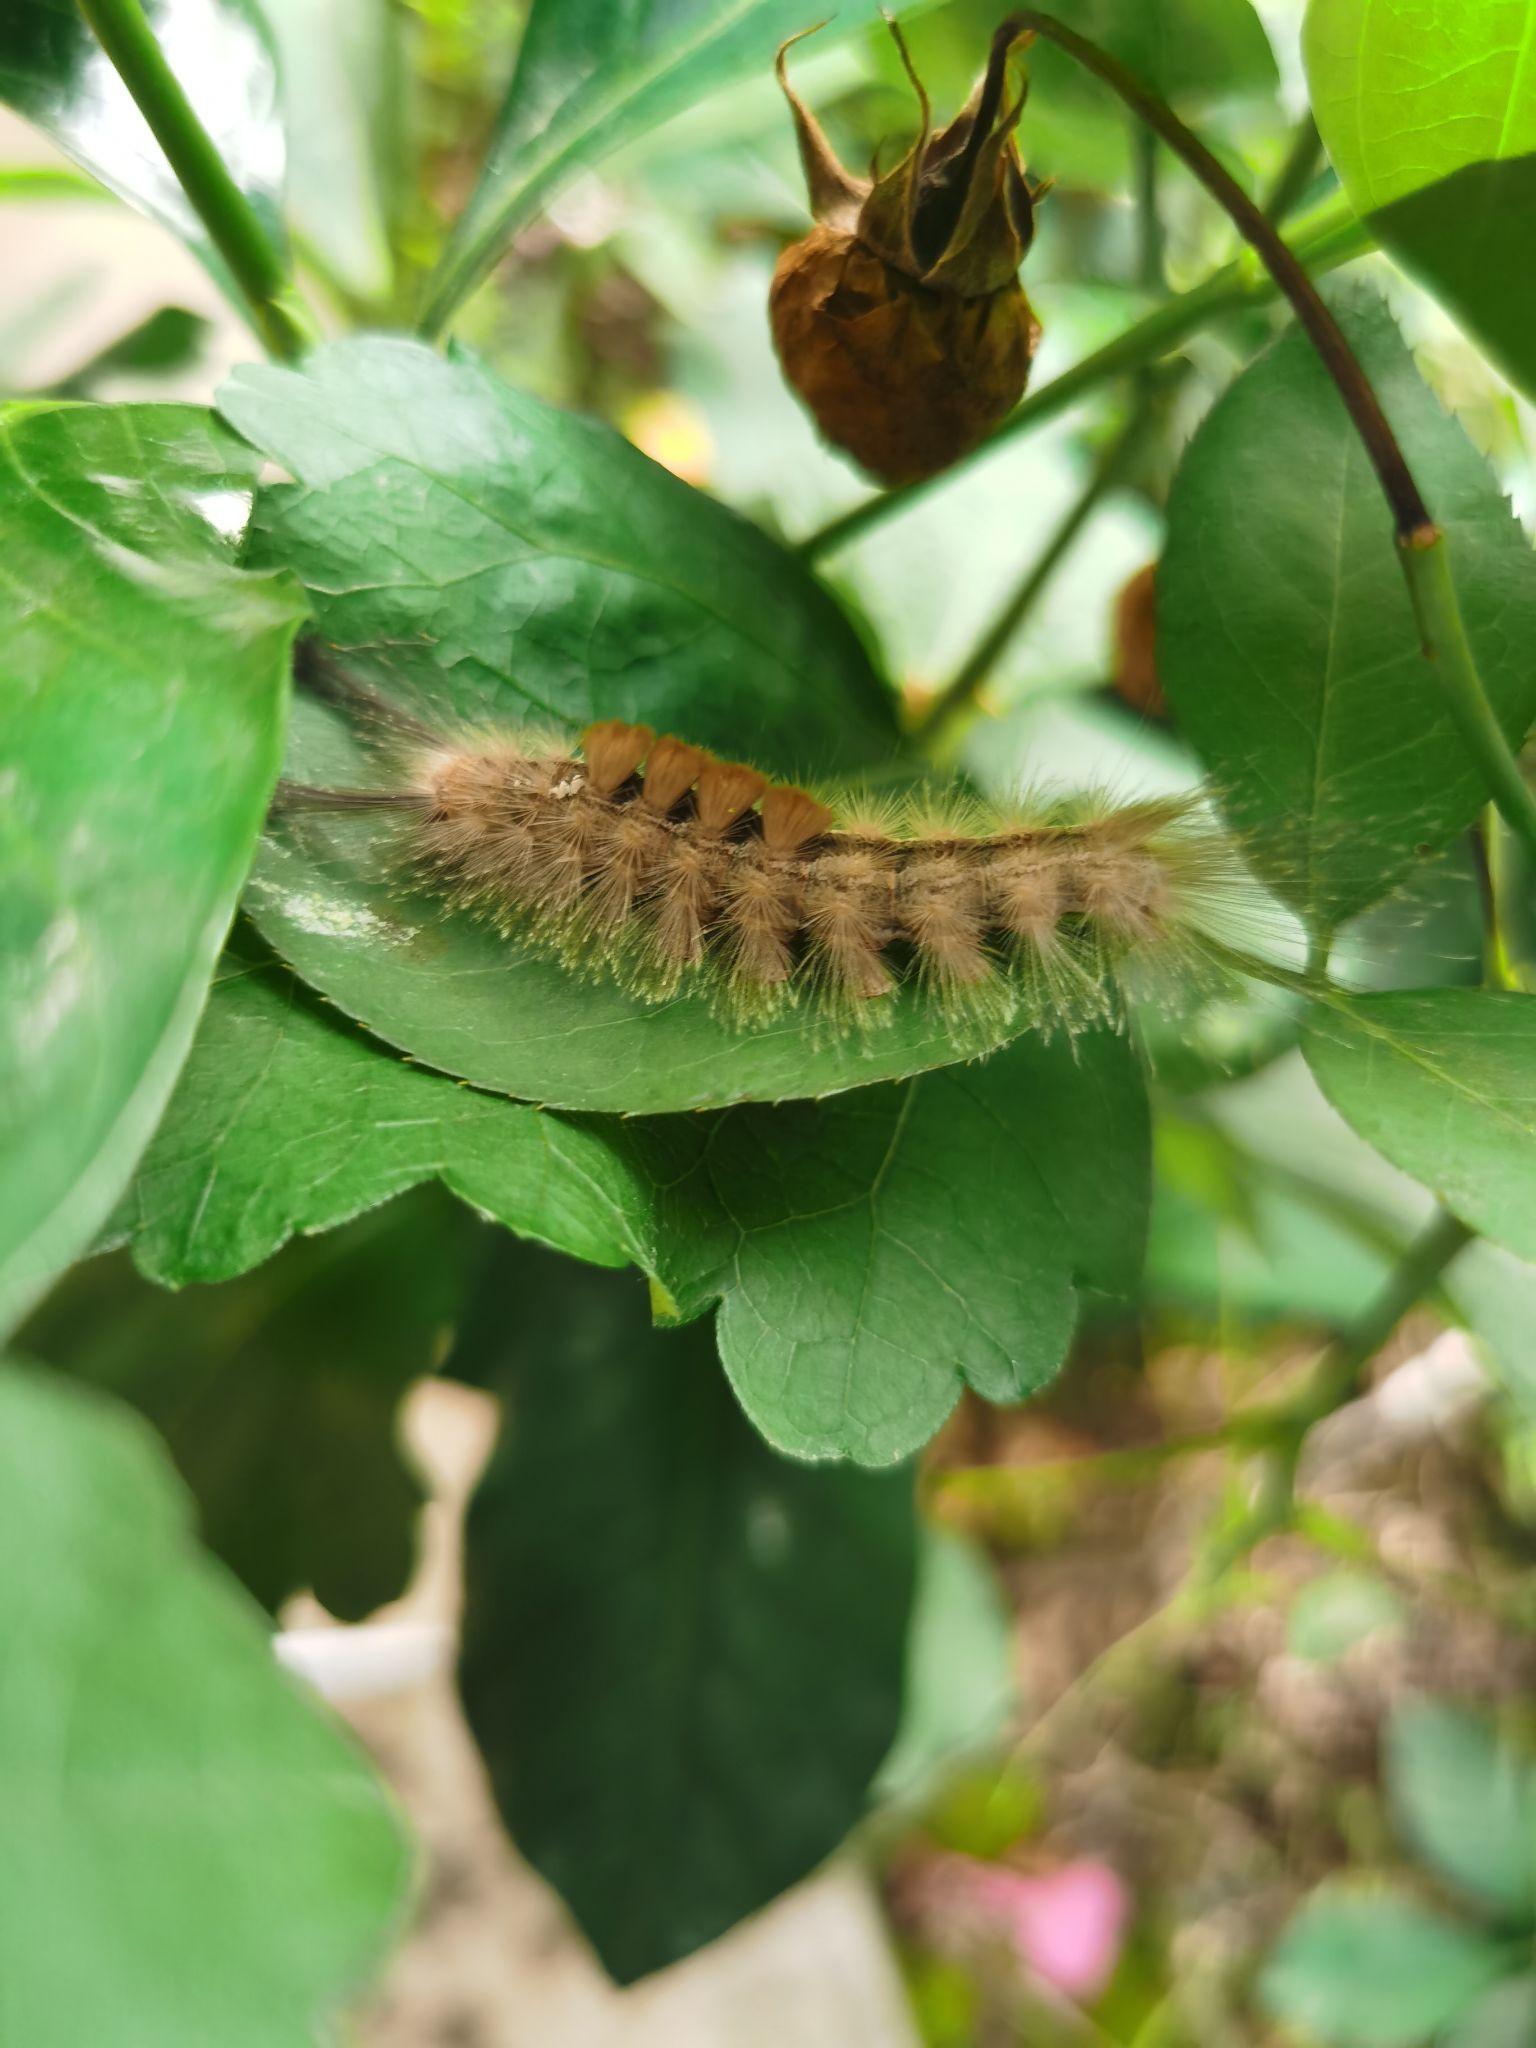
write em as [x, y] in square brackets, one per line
[1506, 2018]
[1287, 642]
[193, 1853]
[1408, 91]
[591, 76]
[54, 72]
[277, 1393]
[1471, 240]
[287, 1119]
[1331, 1614]
[1428, 113]
[1495, 1296]
[515, 562]
[832, 1231]
[960, 1682]
[506, 558]
[1244, 1236]
[1443, 1083]
[139, 738]
[877, 1253]
[46, 181]
[682, 1654]
[335, 65]
[1372, 1969]
[1466, 1802]
[169, 341]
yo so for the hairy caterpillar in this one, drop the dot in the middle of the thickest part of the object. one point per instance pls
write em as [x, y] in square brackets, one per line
[650, 860]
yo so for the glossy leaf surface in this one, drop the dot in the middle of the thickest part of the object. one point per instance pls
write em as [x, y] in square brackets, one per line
[877, 1253]
[537, 569]
[53, 70]
[1443, 1082]
[206, 1858]
[1287, 642]
[1428, 109]
[140, 732]
[286, 1119]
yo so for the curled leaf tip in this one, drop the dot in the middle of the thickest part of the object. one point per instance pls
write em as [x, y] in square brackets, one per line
[835, 194]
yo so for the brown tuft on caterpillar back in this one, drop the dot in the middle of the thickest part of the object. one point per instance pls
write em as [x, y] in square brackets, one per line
[613, 752]
[791, 818]
[672, 881]
[671, 769]
[726, 791]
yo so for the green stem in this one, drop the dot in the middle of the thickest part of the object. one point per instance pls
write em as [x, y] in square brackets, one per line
[1275, 1429]
[1499, 969]
[1325, 333]
[977, 666]
[1336, 1377]
[1423, 547]
[1506, 960]
[1444, 632]
[1512, 1607]
[1149, 220]
[253, 262]
[1279, 1432]
[1330, 236]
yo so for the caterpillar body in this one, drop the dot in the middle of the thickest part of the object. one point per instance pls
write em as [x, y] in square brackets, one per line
[650, 860]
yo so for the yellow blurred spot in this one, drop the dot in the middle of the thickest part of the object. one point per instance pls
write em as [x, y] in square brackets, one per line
[673, 433]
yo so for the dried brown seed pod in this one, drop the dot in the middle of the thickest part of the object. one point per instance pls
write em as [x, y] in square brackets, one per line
[1135, 633]
[899, 319]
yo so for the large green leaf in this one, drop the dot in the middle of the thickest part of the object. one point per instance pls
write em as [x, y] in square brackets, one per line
[875, 1254]
[1471, 240]
[1467, 1803]
[336, 63]
[502, 557]
[590, 76]
[193, 1854]
[54, 71]
[1364, 1968]
[288, 1119]
[140, 728]
[864, 1265]
[277, 1393]
[1443, 1081]
[508, 560]
[1429, 112]
[1408, 91]
[960, 1683]
[1287, 641]
[682, 1654]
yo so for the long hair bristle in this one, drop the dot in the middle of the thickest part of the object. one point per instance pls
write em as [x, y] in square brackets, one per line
[647, 860]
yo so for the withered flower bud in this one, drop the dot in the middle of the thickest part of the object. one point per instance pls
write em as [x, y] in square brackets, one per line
[899, 319]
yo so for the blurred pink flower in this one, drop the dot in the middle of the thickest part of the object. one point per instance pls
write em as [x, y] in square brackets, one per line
[1066, 1924]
